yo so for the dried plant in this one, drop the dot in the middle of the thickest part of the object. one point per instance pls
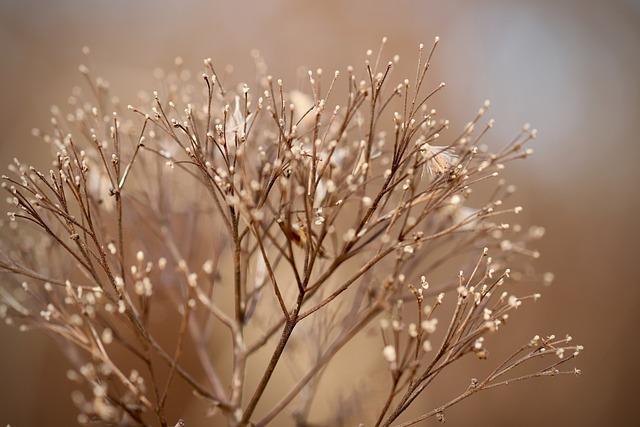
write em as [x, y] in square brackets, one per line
[292, 221]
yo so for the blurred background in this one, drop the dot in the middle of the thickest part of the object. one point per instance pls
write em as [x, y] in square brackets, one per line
[571, 68]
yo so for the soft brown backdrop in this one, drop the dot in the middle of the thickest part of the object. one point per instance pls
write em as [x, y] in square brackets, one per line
[569, 67]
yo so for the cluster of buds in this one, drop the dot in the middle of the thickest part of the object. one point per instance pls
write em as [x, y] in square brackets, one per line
[251, 208]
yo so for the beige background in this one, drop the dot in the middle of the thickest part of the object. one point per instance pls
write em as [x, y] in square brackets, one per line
[569, 67]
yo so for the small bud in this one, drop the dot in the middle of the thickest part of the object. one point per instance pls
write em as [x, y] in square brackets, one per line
[389, 353]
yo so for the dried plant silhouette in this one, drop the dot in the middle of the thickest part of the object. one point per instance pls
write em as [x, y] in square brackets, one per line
[269, 214]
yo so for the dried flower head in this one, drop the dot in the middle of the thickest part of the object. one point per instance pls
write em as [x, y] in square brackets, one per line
[283, 217]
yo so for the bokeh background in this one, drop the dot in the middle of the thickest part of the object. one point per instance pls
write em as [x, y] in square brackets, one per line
[569, 67]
